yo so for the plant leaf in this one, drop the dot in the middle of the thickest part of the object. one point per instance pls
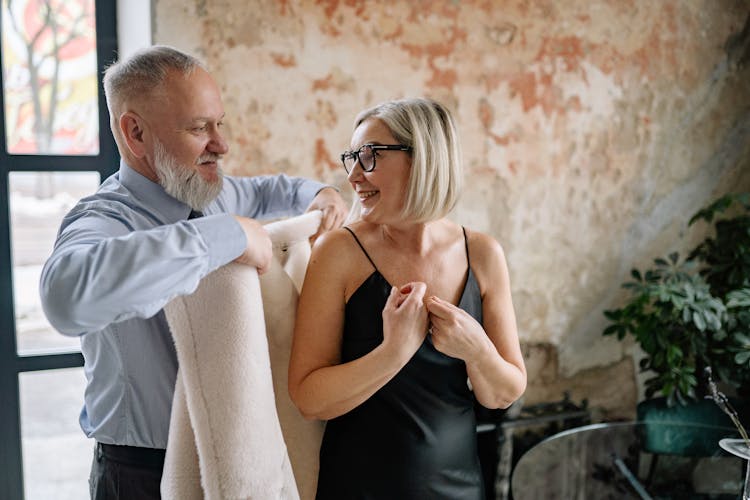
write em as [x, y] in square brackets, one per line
[738, 298]
[699, 321]
[611, 329]
[742, 358]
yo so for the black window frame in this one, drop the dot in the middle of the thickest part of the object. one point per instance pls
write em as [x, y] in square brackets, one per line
[11, 363]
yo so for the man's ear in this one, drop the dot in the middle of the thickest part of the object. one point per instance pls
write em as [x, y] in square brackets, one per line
[132, 128]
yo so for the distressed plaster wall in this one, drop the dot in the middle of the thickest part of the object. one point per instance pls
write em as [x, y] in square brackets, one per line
[591, 130]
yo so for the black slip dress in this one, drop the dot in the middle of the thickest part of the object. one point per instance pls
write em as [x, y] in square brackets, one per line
[415, 438]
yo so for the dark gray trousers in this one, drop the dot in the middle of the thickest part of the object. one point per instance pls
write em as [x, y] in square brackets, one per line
[126, 473]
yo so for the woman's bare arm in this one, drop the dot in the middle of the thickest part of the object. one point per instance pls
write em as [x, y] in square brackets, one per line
[319, 384]
[492, 352]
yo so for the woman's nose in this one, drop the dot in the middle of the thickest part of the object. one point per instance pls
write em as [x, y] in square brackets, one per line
[355, 172]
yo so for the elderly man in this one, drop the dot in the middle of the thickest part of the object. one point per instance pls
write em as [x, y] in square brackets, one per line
[151, 232]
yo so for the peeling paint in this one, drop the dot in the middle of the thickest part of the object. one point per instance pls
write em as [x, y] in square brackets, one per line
[336, 80]
[570, 50]
[578, 119]
[284, 60]
[323, 158]
[501, 34]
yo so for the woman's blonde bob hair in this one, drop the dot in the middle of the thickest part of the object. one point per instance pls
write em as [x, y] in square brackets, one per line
[436, 176]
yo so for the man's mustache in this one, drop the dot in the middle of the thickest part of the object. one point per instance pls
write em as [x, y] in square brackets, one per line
[208, 157]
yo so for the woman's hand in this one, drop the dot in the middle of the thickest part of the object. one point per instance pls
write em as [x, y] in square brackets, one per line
[454, 332]
[405, 319]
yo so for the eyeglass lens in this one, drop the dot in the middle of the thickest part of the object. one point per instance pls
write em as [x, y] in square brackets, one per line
[366, 158]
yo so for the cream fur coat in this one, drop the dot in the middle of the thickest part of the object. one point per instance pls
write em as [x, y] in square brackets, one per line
[234, 433]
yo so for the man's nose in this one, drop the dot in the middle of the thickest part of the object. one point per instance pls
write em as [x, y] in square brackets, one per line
[217, 143]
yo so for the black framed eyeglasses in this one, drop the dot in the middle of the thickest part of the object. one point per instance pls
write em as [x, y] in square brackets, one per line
[366, 154]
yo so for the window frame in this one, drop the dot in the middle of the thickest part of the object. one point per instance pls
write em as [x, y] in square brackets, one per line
[11, 363]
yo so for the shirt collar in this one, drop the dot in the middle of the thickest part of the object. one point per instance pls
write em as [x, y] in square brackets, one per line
[152, 194]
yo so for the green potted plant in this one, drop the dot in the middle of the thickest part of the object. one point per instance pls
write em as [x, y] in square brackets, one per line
[691, 314]
[725, 260]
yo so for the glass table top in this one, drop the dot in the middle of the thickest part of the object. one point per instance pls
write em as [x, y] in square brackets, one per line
[631, 460]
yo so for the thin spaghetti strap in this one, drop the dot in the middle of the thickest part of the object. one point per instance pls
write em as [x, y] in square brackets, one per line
[363, 248]
[466, 244]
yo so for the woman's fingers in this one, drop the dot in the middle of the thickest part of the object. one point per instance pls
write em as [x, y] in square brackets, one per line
[438, 307]
[393, 301]
[413, 292]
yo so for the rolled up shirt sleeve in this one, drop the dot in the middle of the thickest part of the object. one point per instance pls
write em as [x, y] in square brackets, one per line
[268, 196]
[126, 252]
[93, 278]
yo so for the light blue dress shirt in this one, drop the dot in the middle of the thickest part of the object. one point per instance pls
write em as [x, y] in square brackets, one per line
[120, 256]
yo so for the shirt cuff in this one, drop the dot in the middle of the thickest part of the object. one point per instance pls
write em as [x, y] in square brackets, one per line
[332, 187]
[309, 190]
[225, 240]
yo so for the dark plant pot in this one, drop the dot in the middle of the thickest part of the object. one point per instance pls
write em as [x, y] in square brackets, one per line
[687, 430]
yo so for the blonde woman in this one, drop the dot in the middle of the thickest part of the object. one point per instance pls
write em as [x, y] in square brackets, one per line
[405, 317]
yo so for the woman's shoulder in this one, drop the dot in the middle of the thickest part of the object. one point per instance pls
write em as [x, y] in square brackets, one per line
[487, 260]
[341, 245]
[485, 252]
[332, 259]
[338, 261]
[482, 243]
[362, 228]
[335, 240]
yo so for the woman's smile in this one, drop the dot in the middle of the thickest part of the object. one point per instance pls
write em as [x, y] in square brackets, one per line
[366, 195]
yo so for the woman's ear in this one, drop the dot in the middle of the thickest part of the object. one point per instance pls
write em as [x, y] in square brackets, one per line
[132, 128]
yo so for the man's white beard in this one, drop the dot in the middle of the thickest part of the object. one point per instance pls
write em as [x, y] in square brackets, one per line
[184, 182]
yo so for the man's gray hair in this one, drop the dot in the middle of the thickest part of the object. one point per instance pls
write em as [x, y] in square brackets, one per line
[142, 74]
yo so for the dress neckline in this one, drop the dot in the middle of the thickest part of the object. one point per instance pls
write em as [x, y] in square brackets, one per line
[378, 275]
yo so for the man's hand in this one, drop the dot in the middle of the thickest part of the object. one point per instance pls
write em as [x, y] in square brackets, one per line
[258, 252]
[329, 201]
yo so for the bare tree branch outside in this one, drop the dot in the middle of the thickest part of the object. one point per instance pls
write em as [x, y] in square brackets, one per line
[49, 76]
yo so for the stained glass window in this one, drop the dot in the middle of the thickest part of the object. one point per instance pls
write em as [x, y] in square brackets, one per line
[49, 77]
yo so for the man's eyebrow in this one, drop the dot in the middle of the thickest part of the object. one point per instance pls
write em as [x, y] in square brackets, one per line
[197, 119]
